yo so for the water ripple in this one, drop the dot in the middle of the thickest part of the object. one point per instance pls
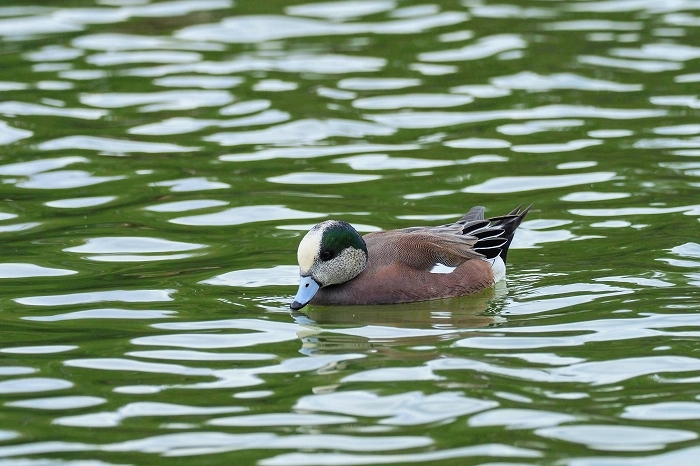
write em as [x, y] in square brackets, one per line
[440, 119]
[263, 28]
[245, 214]
[128, 286]
[485, 47]
[512, 184]
[617, 438]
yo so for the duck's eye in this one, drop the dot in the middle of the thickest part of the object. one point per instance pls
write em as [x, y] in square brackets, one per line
[326, 255]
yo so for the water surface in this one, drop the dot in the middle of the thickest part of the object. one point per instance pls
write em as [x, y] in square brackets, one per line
[160, 162]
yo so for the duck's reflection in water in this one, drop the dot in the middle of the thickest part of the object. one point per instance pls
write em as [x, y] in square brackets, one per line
[419, 325]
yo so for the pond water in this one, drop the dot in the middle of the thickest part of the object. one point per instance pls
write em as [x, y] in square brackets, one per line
[160, 162]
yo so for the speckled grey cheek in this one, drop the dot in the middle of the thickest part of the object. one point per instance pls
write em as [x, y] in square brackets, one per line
[343, 268]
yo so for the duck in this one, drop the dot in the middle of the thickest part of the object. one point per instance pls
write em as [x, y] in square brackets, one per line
[338, 266]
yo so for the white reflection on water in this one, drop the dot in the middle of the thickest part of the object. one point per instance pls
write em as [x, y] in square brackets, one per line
[478, 143]
[408, 408]
[263, 28]
[667, 411]
[603, 330]
[281, 419]
[132, 244]
[532, 127]
[192, 355]
[201, 443]
[16, 370]
[120, 314]
[64, 179]
[248, 106]
[141, 409]
[556, 147]
[184, 206]
[128, 296]
[312, 152]
[519, 418]
[116, 41]
[182, 125]
[23, 270]
[434, 70]
[245, 214]
[112, 146]
[58, 402]
[674, 52]
[643, 66]
[385, 162]
[392, 102]
[292, 62]
[485, 47]
[609, 133]
[593, 25]
[274, 85]
[8, 134]
[439, 119]
[340, 10]
[510, 11]
[191, 184]
[335, 94]
[301, 132]
[159, 101]
[44, 349]
[688, 129]
[618, 212]
[280, 275]
[263, 332]
[319, 459]
[617, 438]
[682, 456]
[377, 84]
[33, 385]
[593, 373]
[28, 26]
[534, 82]
[12, 108]
[514, 184]
[80, 202]
[160, 56]
[313, 178]
[204, 82]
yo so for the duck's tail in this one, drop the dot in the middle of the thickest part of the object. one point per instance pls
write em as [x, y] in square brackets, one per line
[494, 235]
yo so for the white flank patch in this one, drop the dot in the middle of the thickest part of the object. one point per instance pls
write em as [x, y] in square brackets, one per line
[498, 267]
[442, 268]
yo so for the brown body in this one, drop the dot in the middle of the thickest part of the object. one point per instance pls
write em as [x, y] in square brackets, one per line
[399, 264]
[338, 266]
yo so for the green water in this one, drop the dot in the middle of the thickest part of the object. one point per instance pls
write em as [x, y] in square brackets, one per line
[161, 161]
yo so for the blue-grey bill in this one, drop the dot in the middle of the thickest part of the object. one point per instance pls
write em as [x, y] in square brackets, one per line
[307, 289]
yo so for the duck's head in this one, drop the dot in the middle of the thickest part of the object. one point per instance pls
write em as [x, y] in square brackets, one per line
[332, 252]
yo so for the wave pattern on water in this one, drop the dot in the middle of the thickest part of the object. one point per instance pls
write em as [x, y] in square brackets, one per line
[161, 160]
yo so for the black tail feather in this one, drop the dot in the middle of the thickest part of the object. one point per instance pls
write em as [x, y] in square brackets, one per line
[495, 234]
[474, 226]
[510, 224]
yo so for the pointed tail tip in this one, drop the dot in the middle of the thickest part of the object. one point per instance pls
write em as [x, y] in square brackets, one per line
[516, 218]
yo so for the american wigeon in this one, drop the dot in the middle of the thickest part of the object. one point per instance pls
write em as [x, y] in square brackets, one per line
[338, 266]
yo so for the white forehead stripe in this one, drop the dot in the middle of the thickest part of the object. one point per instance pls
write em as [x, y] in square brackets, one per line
[308, 249]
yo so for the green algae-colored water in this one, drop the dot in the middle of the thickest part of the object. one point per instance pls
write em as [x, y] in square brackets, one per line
[160, 162]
